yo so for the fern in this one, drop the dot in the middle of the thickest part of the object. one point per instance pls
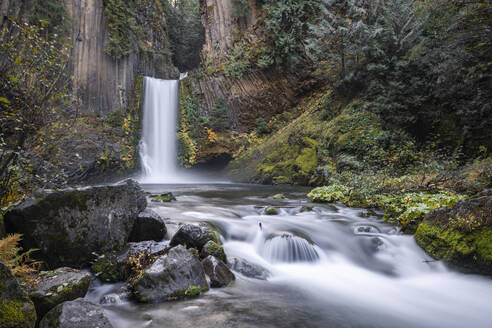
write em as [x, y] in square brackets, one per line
[20, 263]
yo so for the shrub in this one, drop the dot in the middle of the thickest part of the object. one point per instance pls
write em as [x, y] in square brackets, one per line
[20, 263]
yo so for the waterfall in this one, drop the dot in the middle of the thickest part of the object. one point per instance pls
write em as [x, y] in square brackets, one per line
[158, 149]
[289, 248]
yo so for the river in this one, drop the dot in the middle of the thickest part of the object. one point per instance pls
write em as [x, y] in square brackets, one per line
[329, 267]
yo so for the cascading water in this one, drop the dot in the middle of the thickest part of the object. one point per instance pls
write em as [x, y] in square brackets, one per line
[288, 248]
[158, 146]
[328, 267]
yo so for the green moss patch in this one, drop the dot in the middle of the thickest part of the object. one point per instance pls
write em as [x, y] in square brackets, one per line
[471, 251]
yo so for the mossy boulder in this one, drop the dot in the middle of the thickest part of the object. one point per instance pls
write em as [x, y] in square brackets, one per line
[116, 266]
[271, 210]
[16, 309]
[194, 236]
[214, 249]
[148, 226]
[169, 277]
[279, 196]
[58, 286]
[460, 235]
[67, 226]
[163, 198]
[78, 313]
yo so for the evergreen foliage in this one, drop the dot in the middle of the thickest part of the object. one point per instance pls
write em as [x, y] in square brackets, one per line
[186, 33]
[124, 31]
[33, 86]
[421, 66]
[218, 116]
[286, 25]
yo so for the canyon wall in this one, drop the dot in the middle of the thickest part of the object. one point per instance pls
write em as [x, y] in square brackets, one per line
[257, 93]
[100, 83]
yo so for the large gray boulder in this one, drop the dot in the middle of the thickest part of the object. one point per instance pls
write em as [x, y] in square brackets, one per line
[58, 286]
[193, 236]
[169, 277]
[115, 266]
[148, 226]
[217, 271]
[79, 313]
[68, 226]
[16, 309]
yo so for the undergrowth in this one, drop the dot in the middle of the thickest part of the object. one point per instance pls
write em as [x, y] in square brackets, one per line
[19, 262]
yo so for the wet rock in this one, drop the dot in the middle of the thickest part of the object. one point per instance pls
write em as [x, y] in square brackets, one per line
[163, 198]
[270, 210]
[248, 269]
[148, 226]
[169, 277]
[115, 266]
[193, 236]
[306, 208]
[78, 313]
[217, 271]
[214, 249]
[16, 309]
[68, 226]
[368, 213]
[460, 235]
[58, 286]
[116, 298]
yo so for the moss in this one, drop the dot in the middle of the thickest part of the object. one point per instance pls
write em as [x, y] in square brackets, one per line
[108, 269]
[193, 291]
[214, 236]
[279, 196]
[216, 250]
[165, 197]
[471, 251]
[13, 314]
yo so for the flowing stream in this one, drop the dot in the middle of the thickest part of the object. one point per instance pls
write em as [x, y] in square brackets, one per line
[328, 267]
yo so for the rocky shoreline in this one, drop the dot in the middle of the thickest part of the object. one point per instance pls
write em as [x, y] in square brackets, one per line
[109, 228]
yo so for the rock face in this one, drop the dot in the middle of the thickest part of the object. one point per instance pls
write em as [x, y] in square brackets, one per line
[58, 286]
[248, 269]
[76, 314]
[113, 267]
[217, 271]
[67, 226]
[169, 277]
[16, 309]
[193, 236]
[461, 235]
[100, 83]
[149, 226]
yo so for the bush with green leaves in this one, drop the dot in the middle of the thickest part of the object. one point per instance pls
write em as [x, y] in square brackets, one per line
[404, 209]
[239, 62]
